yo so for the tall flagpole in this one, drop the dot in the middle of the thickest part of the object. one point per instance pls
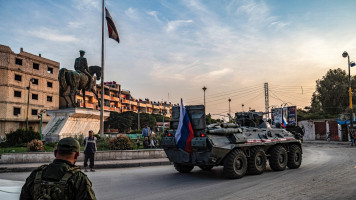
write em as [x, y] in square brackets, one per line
[102, 74]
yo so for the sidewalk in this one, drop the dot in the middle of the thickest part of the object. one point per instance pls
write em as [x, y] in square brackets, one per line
[326, 142]
[26, 167]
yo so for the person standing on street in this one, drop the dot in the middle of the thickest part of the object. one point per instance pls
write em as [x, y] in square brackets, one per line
[61, 179]
[89, 151]
[352, 138]
[146, 132]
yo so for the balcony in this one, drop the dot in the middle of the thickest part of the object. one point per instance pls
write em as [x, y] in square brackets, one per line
[88, 105]
[148, 105]
[142, 105]
[125, 101]
[105, 96]
[133, 103]
[115, 98]
[106, 108]
[89, 94]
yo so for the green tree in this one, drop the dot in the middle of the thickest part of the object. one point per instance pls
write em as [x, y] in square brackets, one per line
[331, 95]
[145, 118]
[159, 118]
[210, 120]
[121, 121]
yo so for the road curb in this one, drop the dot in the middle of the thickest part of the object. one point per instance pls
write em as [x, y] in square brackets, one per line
[327, 143]
[25, 168]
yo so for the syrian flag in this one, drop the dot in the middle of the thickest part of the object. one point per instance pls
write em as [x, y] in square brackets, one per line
[184, 133]
[111, 27]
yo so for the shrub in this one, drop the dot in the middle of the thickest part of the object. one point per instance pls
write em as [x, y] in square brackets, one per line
[103, 143]
[121, 142]
[21, 136]
[80, 139]
[35, 145]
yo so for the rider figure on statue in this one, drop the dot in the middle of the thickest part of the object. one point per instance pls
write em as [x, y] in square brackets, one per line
[81, 66]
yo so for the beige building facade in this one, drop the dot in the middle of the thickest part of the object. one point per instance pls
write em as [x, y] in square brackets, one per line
[26, 75]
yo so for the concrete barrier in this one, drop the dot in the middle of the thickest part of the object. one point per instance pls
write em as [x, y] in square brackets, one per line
[44, 157]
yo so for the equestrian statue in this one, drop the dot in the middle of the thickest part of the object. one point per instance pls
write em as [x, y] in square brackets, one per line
[81, 79]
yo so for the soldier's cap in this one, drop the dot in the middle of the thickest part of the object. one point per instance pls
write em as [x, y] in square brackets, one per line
[81, 51]
[68, 144]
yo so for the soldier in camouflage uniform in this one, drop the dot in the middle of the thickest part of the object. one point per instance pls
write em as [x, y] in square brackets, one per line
[60, 179]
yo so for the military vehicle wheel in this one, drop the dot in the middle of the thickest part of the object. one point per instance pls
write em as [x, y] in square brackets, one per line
[294, 157]
[279, 158]
[206, 167]
[257, 161]
[183, 168]
[235, 165]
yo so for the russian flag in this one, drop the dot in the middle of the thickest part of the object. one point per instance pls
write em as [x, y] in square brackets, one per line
[184, 133]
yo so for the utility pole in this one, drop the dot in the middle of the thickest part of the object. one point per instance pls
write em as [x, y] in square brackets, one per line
[229, 110]
[138, 119]
[204, 88]
[266, 100]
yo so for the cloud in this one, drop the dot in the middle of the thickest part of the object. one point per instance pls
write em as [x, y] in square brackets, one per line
[75, 24]
[173, 25]
[87, 4]
[155, 15]
[132, 13]
[52, 35]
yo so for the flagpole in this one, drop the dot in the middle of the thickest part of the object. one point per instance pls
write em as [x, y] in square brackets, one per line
[102, 74]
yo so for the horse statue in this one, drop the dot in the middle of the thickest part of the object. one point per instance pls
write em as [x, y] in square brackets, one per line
[77, 81]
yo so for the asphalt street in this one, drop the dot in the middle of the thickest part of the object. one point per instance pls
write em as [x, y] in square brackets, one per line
[327, 172]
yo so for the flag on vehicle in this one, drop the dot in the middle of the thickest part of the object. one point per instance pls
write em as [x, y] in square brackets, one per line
[111, 27]
[184, 133]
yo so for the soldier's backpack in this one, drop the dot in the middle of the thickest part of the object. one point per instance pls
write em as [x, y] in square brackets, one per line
[49, 190]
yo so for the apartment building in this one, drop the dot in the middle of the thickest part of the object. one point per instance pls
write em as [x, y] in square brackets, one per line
[29, 85]
[119, 100]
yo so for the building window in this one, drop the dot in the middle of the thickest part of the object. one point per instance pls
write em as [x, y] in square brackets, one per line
[49, 84]
[35, 81]
[18, 77]
[18, 61]
[17, 111]
[35, 96]
[17, 94]
[34, 112]
[36, 66]
[50, 70]
[49, 98]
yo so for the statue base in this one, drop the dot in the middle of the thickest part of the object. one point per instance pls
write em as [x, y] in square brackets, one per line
[72, 122]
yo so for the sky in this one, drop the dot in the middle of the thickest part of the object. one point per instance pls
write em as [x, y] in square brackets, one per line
[170, 50]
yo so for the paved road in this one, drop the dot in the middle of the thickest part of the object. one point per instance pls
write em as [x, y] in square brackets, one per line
[327, 172]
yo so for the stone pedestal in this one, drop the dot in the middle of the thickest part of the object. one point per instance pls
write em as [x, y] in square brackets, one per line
[72, 122]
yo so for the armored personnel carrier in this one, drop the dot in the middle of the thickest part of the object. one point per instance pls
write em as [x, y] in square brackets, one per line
[239, 149]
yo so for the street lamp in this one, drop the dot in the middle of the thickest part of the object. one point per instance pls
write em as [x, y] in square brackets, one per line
[204, 88]
[41, 117]
[163, 112]
[349, 64]
[28, 100]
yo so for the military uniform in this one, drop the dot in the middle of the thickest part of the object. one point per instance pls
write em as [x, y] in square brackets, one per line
[66, 179]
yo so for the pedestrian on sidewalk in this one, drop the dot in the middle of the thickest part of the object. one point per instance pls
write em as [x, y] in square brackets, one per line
[138, 142]
[146, 132]
[61, 179]
[146, 143]
[89, 151]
